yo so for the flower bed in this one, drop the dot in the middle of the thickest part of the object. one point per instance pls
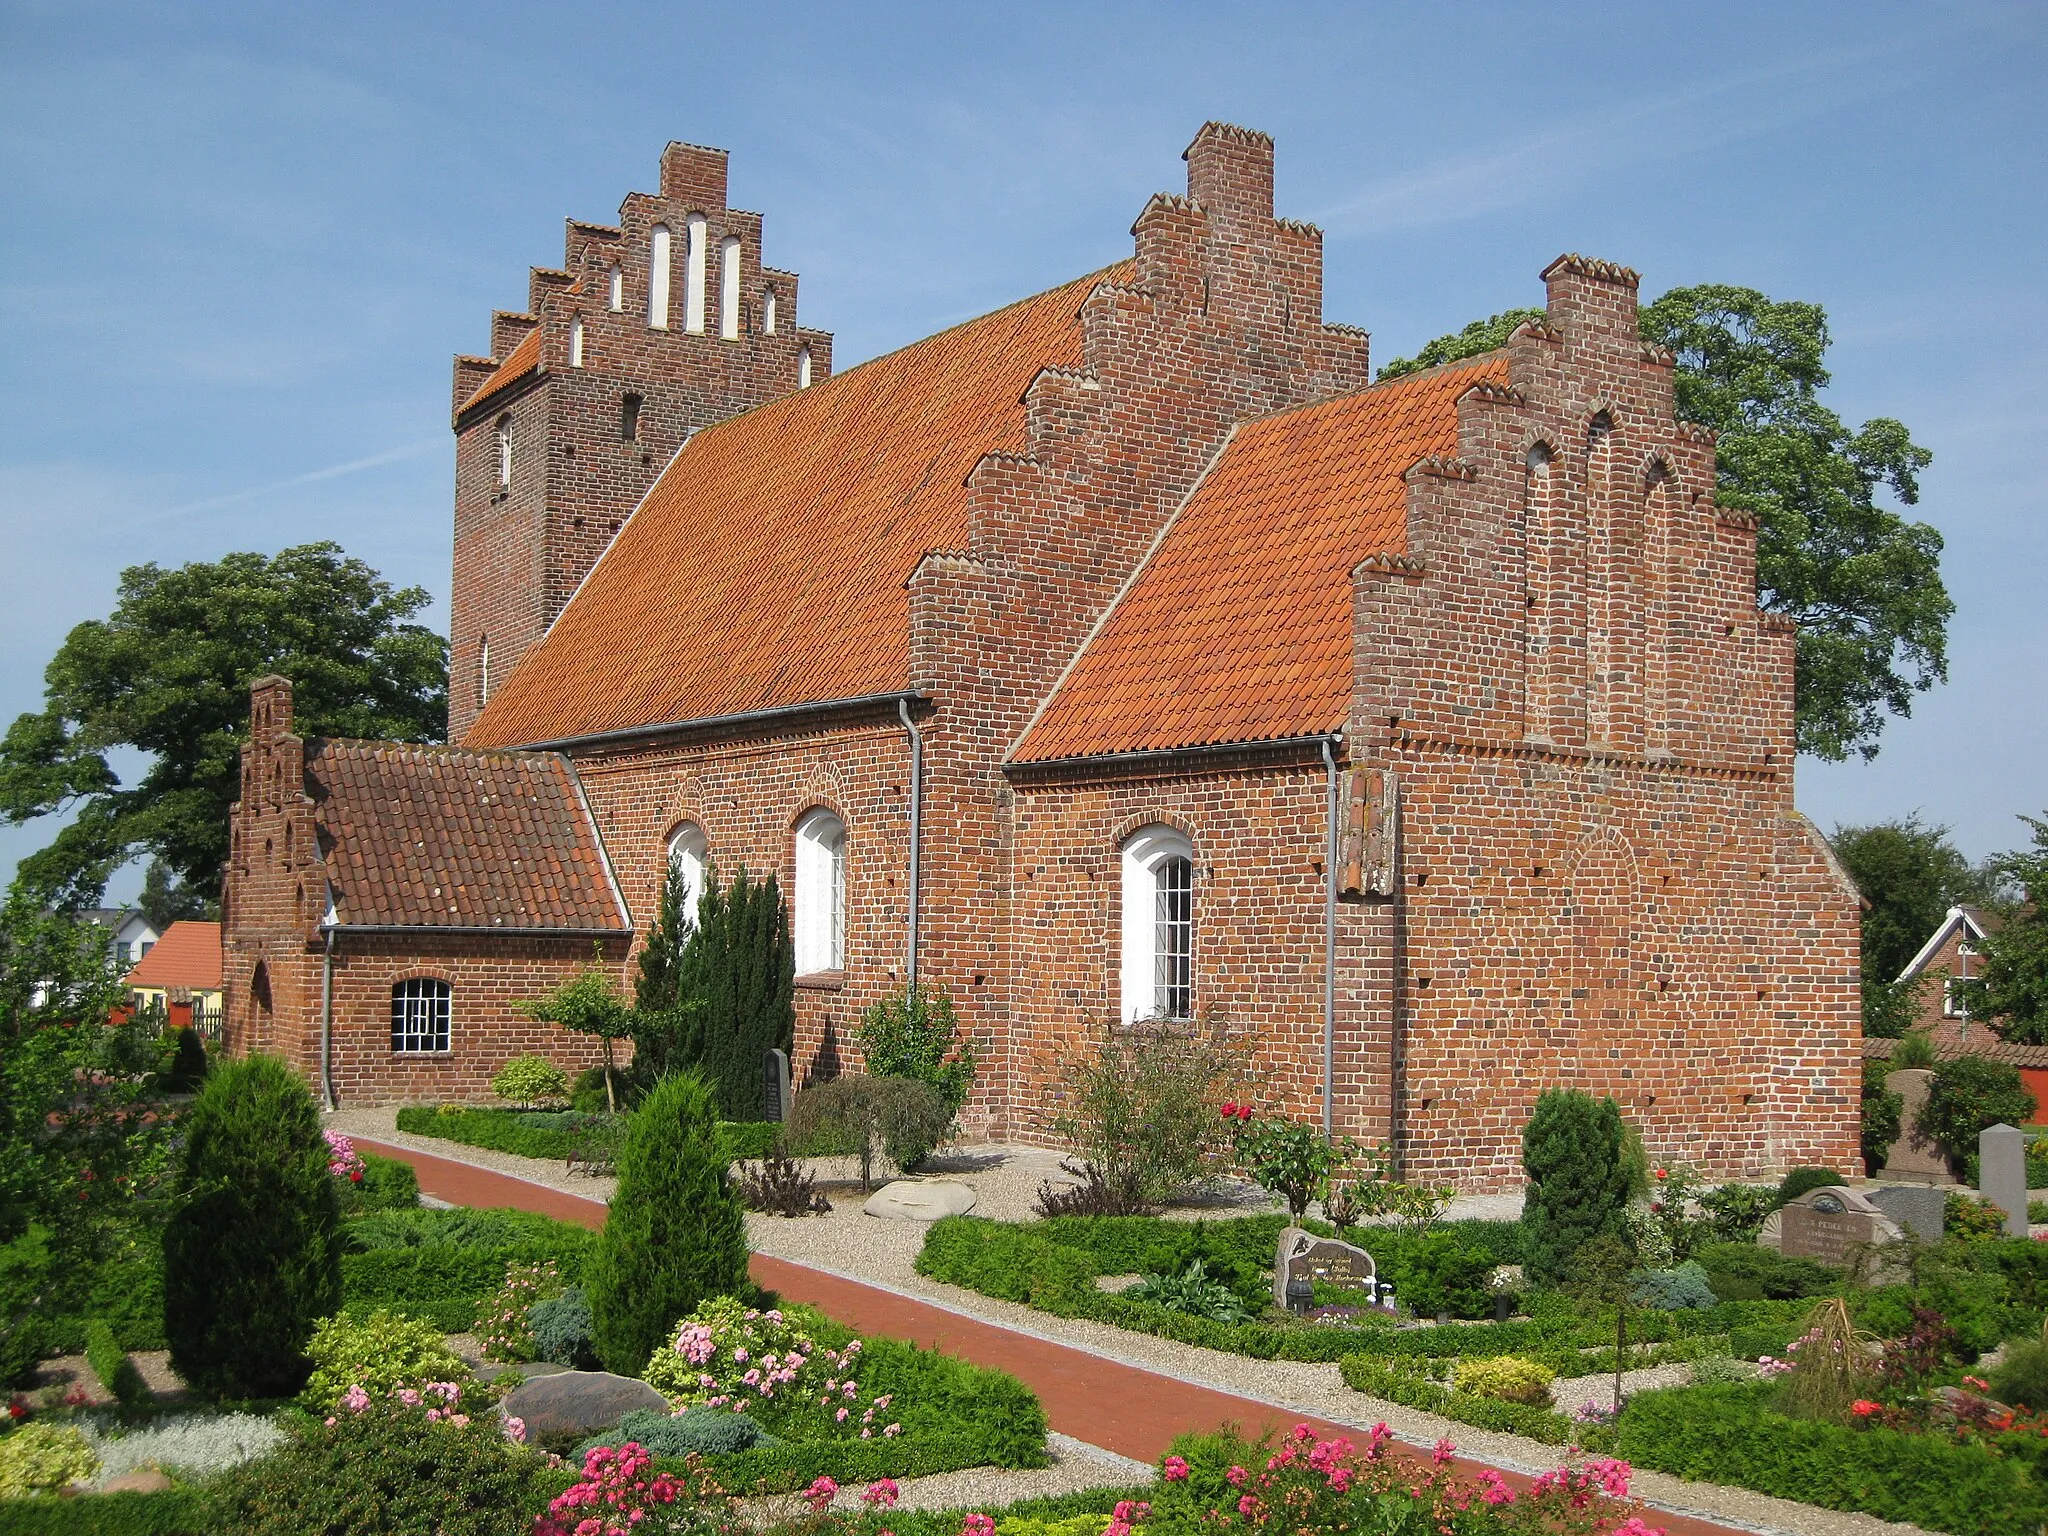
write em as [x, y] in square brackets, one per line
[440, 1265]
[552, 1134]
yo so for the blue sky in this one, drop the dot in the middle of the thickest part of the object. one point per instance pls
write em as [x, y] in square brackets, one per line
[241, 242]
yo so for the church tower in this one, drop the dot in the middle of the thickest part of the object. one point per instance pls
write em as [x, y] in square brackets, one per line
[653, 328]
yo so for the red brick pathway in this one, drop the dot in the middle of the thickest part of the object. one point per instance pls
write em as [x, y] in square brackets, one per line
[1134, 1412]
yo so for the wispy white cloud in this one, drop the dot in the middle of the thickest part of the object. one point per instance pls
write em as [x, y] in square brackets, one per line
[331, 472]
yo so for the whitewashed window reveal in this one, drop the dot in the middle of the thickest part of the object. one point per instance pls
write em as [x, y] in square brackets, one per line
[504, 451]
[1158, 925]
[803, 368]
[694, 263]
[657, 277]
[768, 312]
[576, 342]
[688, 849]
[820, 916]
[729, 289]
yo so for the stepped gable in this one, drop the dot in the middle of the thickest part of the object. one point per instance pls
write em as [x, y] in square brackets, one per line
[441, 838]
[524, 361]
[766, 567]
[1238, 627]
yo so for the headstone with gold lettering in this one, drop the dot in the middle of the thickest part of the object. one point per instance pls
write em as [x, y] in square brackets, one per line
[1302, 1259]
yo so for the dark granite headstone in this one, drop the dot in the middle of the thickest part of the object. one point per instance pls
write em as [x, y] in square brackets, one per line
[1304, 1257]
[775, 1085]
[1916, 1207]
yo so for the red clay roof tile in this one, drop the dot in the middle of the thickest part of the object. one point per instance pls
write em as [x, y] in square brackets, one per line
[766, 566]
[188, 955]
[1238, 627]
[524, 359]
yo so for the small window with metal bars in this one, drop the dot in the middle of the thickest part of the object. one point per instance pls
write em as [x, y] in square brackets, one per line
[419, 1016]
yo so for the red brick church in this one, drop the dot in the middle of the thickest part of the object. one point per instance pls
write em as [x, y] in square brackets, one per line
[1125, 654]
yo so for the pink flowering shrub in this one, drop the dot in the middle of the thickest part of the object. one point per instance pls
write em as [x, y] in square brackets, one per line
[501, 1326]
[767, 1365]
[619, 1494]
[343, 1161]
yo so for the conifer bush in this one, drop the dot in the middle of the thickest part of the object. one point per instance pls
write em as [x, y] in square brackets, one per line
[1574, 1150]
[252, 1251]
[675, 1235]
[737, 972]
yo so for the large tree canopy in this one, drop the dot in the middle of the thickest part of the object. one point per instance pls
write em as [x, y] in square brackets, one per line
[2012, 989]
[1863, 583]
[169, 672]
[1910, 875]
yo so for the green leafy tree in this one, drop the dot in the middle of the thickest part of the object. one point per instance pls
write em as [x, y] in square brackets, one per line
[739, 968]
[589, 1003]
[1967, 1095]
[1575, 1152]
[168, 673]
[2010, 990]
[1862, 582]
[252, 1252]
[1910, 875]
[166, 900]
[674, 1236]
[913, 1032]
[1883, 1111]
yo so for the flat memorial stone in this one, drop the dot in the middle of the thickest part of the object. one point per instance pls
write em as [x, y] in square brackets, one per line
[920, 1200]
[578, 1402]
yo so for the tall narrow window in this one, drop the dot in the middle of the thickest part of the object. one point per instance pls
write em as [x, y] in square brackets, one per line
[616, 288]
[576, 342]
[504, 442]
[820, 917]
[693, 276]
[419, 1016]
[729, 289]
[768, 312]
[687, 853]
[1158, 925]
[629, 419]
[803, 368]
[657, 277]
[483, 670]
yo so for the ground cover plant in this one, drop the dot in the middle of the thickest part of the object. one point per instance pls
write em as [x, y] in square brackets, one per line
[442, 1266]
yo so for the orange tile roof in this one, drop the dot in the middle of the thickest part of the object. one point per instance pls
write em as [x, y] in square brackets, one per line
[766, 566]
[439, 837]
[188, 955]
[1238, 628]
[524, 359]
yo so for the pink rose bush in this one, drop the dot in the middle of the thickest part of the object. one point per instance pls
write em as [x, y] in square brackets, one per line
[726, 1355]
[618, 1495]
[343, 1161]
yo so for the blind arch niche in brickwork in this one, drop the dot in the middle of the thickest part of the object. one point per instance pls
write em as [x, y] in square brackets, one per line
[1601, 889]
[688, 852]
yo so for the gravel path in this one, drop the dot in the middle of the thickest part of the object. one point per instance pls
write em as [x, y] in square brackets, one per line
[857, 1247]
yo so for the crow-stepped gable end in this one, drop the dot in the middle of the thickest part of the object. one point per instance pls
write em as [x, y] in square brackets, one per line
[655, 327]
[1125, 656]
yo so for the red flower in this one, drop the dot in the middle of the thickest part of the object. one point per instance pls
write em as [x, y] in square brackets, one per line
[355, 1176]
[1661, 1173]
[1230, 1111]
[1863, 1407]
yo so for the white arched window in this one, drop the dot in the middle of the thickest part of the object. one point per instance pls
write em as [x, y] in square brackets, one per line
[803, 368]
[693, 276]
[483, 670]
[1159, 925]
[729, 289]
[504, 442]
[820, 916]
[576, 342]
[687, 852]
[616, 288]
[657, 277]
[768, 312]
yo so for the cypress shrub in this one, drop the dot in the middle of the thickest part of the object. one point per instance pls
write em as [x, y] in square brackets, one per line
[188, 1066]
[675, 1235]
[739, 968]
[667, 1030]
[1574, 1152]
[252, 1251]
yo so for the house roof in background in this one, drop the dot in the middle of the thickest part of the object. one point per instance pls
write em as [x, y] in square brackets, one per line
[188, 955]
[1974, 922]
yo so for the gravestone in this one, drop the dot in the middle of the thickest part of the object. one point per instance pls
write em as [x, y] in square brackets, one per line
[1919, 1208]
[578, 1402]
[1303, 1257]
[2002, 1173]
[1835, 1225]
[775, 1085]
[1911, 1159]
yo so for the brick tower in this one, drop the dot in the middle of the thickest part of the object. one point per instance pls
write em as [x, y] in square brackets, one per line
[653, 328]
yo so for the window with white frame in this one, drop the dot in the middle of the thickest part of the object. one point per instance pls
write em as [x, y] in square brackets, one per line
[729, 289]
[688, 849]
[657, 277]
[419, 1016]
[694, 261]
[1159, 925]
[1952, 1005]
[820, 917]
[504, 446]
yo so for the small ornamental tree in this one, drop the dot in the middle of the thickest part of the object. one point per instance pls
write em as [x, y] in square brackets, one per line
[252, 1251]
[912, 1032]
[1288, 1157]
[1574, 1150]
[665, 1025]
[530, 1080]
[1967, 1095]
[739, 967]
[587, 1004]
[675, 1234]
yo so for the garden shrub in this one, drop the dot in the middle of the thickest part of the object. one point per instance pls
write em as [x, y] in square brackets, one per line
[1674, 1290]
[1403, 1382]
[1748, 1272]
[386, 1471]
[737, 971]
[2022, 1376]
[1510, 1378]
[41, 1457]
[187, 1444]
[912, 1032]
[1800, 1181]
[725, 1341]
[1143, 1105]
[110, 1362]
[503, 1327]
[527, 1080]
[171, 1512]
[252, 1251]
[674, 1235]
[1574, 1152]
[860, 1116]
[1966, 1218]
[379, 1354]
[188, 1064]
[1192, 1291]
[698, 1431]
[1735, 1212]
[1883, 1113]
[551, 1136]
[1730, 1434]
[561, 1330]
[1440, 1275]
[1967, 1095]
[490, 1227]
[388, 1185]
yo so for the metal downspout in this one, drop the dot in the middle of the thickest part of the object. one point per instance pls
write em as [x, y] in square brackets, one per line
[1330, 952]
[916, 830]
[327, 1019]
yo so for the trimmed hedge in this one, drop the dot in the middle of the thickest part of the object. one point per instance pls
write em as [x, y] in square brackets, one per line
[438, 1265]
[1728, 1434]
[551, 1135]
[1375, 1376]
[173, 1512]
